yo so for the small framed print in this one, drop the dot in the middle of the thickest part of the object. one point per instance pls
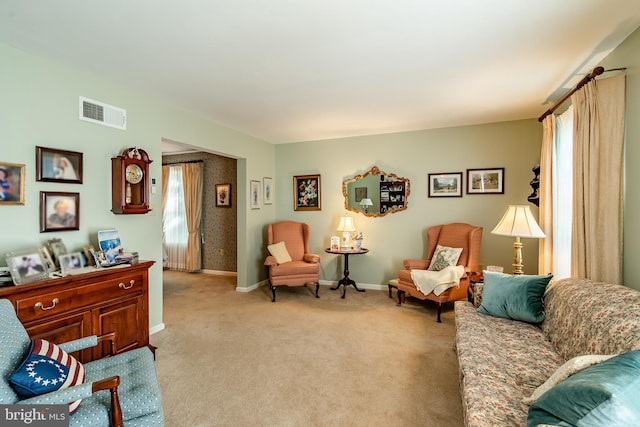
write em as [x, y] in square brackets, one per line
[361, 193]
[56, 248]
[12, 181]
[27, 266]
[70, 262]
[446, 184]
[485, 181]
[89, 251]
[306, 193]
[255, 194]
[46, 256]
[223, 195]
[268, 190]
[58, 165]
[59, 211]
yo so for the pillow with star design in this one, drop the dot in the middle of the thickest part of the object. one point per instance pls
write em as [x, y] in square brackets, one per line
[45, 369]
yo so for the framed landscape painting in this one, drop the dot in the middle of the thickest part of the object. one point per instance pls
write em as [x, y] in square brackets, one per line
[446, 184]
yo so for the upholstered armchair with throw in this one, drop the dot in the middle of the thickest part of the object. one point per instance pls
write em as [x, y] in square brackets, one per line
[443, 241]
[31, 370]
[290, 262]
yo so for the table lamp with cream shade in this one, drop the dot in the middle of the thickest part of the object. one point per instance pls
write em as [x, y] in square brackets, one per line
[347, 227]
[518, 221]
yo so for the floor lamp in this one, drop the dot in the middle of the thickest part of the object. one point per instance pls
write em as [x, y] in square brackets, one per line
[518, 221]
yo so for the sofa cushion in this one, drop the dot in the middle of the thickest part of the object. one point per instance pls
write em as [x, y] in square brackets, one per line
[570, 367]
[514, 297]
[605, 394]
[45, 369]
[444, 257]
[279, 252]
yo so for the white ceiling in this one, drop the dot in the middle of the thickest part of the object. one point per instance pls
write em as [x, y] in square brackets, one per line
[286, 70]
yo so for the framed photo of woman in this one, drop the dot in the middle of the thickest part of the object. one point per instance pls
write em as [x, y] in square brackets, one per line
[59, 211]
[58, 165]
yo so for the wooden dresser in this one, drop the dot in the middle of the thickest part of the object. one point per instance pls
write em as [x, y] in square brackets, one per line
[114, 299]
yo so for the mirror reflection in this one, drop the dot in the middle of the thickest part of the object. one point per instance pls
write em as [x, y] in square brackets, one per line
[375, 193]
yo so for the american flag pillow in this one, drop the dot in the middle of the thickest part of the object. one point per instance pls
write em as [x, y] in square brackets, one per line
[47, 368]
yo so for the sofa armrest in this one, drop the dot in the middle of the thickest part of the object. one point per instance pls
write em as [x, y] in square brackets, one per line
[270, 260]
[415, 264]
[313, 258]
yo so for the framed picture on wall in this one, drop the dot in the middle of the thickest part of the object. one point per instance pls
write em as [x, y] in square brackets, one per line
[255, 194]
[58, 165]
[268, 190]
[11, 184]
[446, 184]
[306, 193]
[59, 211]
[361, 193]
[223, 195]
[485, 181]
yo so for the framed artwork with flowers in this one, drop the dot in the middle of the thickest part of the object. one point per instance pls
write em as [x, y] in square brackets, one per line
[223, 195]
[306, 193]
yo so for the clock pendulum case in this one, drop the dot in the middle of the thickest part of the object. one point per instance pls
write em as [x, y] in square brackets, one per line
[130, 182]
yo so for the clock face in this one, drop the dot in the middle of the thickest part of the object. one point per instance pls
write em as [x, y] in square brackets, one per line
[134, 173]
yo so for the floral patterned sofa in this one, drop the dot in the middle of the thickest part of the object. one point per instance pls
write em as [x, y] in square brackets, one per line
[503, 361]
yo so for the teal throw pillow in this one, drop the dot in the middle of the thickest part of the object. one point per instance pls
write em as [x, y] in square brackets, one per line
[514, 297]
[606, 394]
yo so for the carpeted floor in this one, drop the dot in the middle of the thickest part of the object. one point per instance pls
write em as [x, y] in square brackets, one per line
[236, 359]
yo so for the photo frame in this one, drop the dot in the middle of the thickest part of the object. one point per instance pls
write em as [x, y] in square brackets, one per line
[12, 184]
[267, 183]
[255, 194]
[54, 165]
[223, 195]
[56, 249]
[59, 211]
[27, 266]
[69, 262]
[445, 184]
[361, 193]
[485, 181]
[89, 252]
[51, 266]
[307, 194]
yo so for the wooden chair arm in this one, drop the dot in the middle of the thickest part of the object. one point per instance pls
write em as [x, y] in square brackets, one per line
[111, 337]
[111, 384]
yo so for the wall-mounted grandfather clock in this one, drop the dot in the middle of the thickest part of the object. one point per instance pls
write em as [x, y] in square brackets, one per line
[130, 182]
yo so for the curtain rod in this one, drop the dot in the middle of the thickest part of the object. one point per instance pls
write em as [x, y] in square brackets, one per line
[596, 72]
[179, 163]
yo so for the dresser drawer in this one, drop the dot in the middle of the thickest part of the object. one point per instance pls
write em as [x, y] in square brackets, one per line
[45, 304]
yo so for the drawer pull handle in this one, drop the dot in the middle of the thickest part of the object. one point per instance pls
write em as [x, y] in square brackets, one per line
[43, 308]
[131, 283]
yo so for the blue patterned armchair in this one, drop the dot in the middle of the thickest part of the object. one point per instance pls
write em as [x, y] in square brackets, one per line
[120, 390]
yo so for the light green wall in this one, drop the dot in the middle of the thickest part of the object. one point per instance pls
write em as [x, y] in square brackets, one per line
[626, 55]
[39, 106]
[394, 237]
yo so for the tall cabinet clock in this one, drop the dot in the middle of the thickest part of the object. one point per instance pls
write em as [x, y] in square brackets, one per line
[130, 182]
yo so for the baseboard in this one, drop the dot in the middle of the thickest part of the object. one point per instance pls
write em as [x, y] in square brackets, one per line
[156, 328]
[220, 272]
[253, 287]
[371, 286]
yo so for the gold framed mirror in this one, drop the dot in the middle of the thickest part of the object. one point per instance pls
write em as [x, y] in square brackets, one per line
[376, 193]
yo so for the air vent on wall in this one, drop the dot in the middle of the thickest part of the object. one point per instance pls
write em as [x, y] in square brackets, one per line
[102, 114]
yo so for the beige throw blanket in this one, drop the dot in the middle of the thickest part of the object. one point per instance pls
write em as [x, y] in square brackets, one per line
[428, 281]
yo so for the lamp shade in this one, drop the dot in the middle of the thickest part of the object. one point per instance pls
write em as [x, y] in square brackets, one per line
[346, 224]
[518, 221]
[366, 202]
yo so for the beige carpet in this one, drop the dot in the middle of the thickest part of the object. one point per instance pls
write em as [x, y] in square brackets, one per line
[236, 359]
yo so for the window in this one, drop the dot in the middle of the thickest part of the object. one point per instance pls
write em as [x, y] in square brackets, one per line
[174, 221]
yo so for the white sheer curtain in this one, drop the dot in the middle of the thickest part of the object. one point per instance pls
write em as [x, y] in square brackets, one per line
[562, 194]
[174, 222]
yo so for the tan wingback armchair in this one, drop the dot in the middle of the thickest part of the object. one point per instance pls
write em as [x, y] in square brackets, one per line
[303, 267]
[454, 235]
